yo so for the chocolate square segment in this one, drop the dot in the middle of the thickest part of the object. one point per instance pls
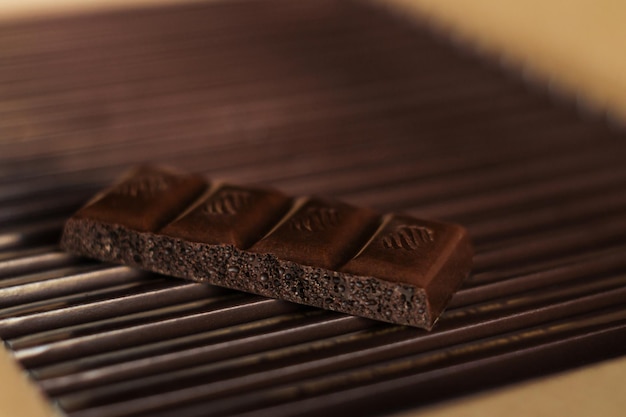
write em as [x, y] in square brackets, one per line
[320, 233]
[427, 255]
[231, 215]
[146, 199]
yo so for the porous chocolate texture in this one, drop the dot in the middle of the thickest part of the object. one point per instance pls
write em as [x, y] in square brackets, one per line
[313, 251]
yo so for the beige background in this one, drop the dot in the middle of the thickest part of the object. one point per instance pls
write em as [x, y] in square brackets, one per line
[578, 48]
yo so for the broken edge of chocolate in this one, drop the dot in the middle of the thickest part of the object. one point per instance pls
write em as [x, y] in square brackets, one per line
[312, 251]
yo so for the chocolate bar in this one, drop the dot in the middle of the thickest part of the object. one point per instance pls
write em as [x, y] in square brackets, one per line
[307, 250]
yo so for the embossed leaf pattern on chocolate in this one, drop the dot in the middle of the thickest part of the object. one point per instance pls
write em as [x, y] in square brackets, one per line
[145, 185]
[408, 237]
[315, 219]
[228, 202]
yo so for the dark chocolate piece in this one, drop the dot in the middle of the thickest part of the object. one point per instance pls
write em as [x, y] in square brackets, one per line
[415, 252]
[231, 215]
[320, 233]
[145, 200]
[312, 251]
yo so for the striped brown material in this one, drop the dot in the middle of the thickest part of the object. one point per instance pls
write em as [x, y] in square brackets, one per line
[329, 97]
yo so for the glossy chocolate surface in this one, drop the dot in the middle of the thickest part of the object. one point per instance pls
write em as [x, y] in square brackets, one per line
[231, 215]
[145, 200]
[320, 233]
[316, 251]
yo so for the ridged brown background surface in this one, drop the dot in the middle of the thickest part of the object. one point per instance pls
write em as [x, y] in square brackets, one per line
[326, 97]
